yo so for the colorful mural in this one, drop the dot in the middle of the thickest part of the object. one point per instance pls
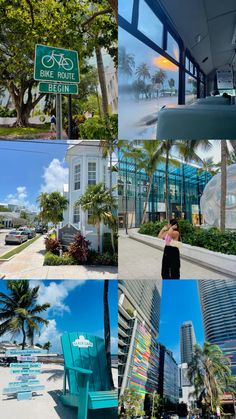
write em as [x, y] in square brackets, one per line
[145, 365]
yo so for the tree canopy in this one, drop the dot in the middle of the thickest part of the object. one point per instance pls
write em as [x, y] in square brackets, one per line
[74, 24]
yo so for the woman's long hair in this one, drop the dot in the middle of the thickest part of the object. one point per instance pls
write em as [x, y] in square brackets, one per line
[174, 222]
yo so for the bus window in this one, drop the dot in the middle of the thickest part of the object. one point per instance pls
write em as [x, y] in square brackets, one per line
[149, 24]
[190, 89]
[125, 9]
[147, 82]
[172, 47]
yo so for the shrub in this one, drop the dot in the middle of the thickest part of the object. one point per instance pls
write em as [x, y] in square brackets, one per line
[211, 239]
[152, 229]
[54, 260]
[106, 258]
[106, 243]
[7, 113]
[79, 249]
[95, 127]
[52, 245]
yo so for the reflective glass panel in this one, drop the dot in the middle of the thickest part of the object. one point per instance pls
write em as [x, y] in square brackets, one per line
[147, 82]
[190, 89]
[125, 9]
[149, 24]
[172, 47]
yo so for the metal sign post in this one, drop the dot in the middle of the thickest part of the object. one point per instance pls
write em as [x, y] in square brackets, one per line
[58, 117]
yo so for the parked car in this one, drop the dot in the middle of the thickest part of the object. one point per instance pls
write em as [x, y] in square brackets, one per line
[28, 232]
[15, 237]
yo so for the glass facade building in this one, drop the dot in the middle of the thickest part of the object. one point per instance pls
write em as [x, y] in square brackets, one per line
[186, 185]
[187, 342]
[218, 305]
[170, 377]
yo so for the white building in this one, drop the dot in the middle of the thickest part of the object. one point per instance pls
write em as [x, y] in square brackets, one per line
[112, 86]
[86, 167]
[187, 389]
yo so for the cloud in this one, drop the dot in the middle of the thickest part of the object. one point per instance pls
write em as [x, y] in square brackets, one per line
[50, 333]
[114, 344]
[55, 293]
[54, 177]
[19, 198]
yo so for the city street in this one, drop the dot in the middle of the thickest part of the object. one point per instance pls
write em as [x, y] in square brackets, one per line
[28, 264]
[140, 261]
[4, 248]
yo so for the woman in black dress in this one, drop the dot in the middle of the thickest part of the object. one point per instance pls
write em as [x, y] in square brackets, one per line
[171, 256]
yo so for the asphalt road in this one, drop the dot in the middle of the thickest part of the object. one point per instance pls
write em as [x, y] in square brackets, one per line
[5, 247]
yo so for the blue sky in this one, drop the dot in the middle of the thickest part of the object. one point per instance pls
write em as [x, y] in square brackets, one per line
[26, 169]
[179, 303]
[75, 306]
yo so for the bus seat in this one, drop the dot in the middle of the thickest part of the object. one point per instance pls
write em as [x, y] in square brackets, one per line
[191, 122]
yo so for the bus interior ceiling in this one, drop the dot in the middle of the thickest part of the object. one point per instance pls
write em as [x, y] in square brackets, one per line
[208, 30]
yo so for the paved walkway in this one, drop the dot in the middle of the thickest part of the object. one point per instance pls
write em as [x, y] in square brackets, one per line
[28, 264]
[140, 261]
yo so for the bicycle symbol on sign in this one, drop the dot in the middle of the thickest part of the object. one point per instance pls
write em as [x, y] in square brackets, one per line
[49, 61]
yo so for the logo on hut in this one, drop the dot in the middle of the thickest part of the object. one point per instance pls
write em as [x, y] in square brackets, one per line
[82, 343]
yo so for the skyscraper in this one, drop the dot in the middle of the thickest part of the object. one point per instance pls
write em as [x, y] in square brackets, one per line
[138, 325]
[218, 305]
[187, 342]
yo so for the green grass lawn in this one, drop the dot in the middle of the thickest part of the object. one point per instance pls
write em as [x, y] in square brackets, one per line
[18, 249]
[37, 129]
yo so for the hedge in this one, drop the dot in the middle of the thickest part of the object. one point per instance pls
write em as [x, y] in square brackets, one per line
[211, 239]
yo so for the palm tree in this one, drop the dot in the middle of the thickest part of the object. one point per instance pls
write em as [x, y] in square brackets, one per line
[165, 148]
[109, 146]
[210, 374]
[223, 184]
[207, 167]
[101, 203]
[171, 83]
[159, 77]
[47, 346]
[19, 311]
[52, 206]
[126, 62]
[102, 78]
[107, 329]
[150, 156]
[143, 72]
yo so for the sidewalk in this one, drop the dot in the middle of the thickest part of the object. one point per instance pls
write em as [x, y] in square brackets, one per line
[141, 261]
[28, 264]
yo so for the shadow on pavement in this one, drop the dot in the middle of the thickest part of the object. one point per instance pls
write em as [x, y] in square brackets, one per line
[71, 412]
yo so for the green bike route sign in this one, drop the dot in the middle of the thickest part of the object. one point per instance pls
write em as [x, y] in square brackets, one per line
[56, 64]
[61, 88]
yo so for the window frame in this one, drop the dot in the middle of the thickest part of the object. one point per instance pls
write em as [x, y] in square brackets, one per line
[132, 29]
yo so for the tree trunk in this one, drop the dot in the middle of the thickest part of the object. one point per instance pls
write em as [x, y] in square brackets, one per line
[167, 183]
[102, 79]
[22, 117]
[99, 237]
[24, 337]
[110, 173]
[223, 184]
[147, 198]
[233, 143]
[23, 108]
[114, 6]
[112, 241]
[107, 331]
